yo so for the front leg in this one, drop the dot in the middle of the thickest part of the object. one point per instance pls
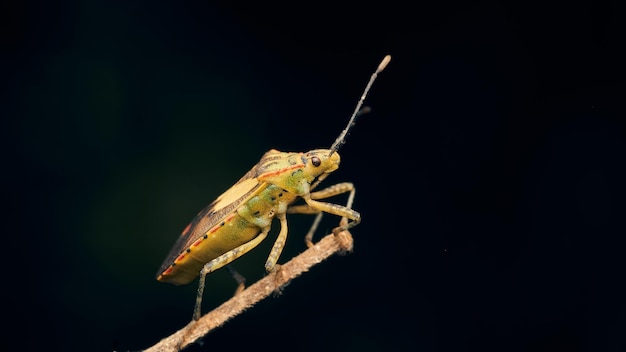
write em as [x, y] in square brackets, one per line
[315, 207]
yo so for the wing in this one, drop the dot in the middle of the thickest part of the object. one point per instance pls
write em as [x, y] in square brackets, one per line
[248, 186]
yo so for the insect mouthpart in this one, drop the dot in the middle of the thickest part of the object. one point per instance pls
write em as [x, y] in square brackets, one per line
[317, 180]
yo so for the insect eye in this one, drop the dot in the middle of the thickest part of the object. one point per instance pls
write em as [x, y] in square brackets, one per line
[316, 161]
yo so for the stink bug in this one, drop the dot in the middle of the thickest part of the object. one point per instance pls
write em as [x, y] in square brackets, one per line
[240, 219]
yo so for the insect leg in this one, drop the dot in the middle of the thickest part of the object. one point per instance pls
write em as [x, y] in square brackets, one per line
[279, 244]
[338, 210]
[308, 239]
[221, 261]
[327, 192]
[314, 207]
[241, 281]
[334, 190]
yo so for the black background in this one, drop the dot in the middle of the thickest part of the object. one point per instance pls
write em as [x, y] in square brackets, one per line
[490, 173]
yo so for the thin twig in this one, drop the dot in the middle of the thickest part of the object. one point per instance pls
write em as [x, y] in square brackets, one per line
[195, 330]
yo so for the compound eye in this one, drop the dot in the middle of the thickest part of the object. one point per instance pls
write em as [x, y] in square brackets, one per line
[316, 161]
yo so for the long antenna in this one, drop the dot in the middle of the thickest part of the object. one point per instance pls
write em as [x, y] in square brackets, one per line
[358, 111]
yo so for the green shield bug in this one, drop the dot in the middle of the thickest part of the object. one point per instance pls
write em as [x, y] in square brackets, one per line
[241, 218]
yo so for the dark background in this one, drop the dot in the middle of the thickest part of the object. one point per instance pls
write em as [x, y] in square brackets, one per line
[490, 173]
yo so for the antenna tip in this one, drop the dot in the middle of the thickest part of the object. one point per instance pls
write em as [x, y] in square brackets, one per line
[383, 63]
